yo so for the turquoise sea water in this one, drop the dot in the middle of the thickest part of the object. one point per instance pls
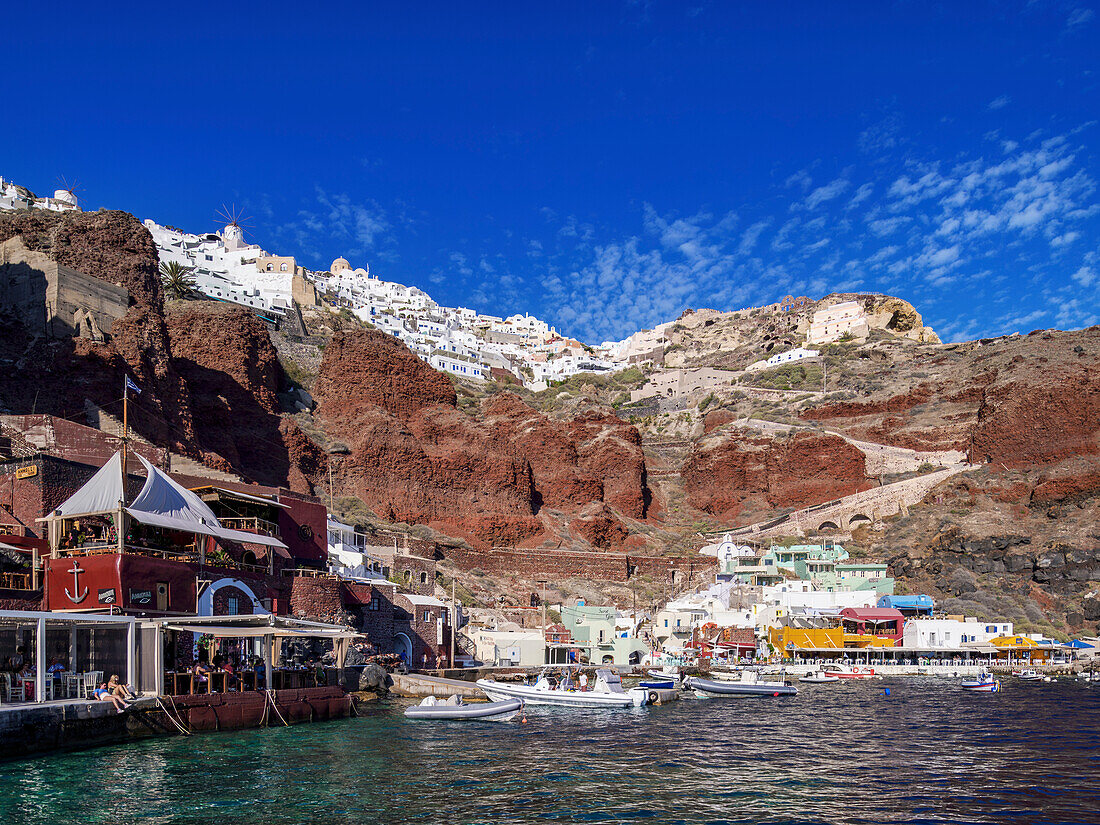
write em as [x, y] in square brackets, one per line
[835, 753]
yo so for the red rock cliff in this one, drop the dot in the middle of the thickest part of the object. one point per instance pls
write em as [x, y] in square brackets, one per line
[739, 474]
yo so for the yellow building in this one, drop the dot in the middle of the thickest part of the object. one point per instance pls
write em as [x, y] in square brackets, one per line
[823, 638]
[1021, 647]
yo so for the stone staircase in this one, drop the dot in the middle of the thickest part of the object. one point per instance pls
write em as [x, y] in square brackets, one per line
[108, 423]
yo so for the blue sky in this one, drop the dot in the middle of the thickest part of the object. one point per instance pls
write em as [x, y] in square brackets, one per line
[601, 165]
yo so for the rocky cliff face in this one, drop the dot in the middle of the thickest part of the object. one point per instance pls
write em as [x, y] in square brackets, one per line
[740, 474]
[59, 375]
[208, 372]
[415, 457]
[225, 356]
[109, 245]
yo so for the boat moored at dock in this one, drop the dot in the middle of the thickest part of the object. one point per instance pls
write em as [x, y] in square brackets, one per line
[748, 685]
[984, 683]
[608, 691]
[455, 709]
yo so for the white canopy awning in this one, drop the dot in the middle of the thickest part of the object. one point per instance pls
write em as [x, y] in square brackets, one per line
[163, 502]
[101, 494]
[230, 632]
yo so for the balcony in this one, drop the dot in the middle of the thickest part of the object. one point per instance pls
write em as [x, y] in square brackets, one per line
[252, 525]
[15, 581]
[187, 555]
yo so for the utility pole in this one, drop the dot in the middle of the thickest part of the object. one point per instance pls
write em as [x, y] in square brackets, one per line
[454, 620]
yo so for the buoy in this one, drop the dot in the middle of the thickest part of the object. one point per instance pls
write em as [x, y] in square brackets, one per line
[886, 692]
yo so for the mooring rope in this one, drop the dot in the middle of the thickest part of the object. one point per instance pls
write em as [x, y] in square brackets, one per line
[271, 696]
[173, 719]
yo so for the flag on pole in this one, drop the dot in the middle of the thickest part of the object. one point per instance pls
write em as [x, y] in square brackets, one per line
[130, 385]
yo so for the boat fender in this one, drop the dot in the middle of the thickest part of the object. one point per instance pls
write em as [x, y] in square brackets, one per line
[652, 698]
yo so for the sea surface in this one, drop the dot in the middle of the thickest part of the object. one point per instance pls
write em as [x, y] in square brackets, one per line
[840, 753]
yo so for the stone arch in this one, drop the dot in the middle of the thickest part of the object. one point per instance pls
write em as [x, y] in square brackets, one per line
[205, 605]
[828, 525]
[403, 647]
[858, 519]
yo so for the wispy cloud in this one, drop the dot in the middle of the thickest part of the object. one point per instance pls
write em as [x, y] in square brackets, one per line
[1078, 17]
[932, 233]
[998, 103]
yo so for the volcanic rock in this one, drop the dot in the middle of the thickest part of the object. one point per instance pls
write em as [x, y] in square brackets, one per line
[740, 471]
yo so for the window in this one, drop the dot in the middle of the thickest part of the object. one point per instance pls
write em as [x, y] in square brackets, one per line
[375, 604]
[427, 615]
[666, 622]
[233, 605]
[282, 267]
[423, 578]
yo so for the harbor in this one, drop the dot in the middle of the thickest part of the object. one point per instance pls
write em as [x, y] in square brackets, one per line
[1005, 756]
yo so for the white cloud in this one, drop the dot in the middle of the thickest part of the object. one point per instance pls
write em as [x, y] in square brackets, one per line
[1085, 276]
[826, 193]
[1079, 16]
[998, 103]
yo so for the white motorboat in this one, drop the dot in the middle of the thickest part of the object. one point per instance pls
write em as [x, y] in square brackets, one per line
[748, 685]
[1029, 675]
[819, 678]
[984, 683]
[849, 672]
[606, 692]
[455, 708]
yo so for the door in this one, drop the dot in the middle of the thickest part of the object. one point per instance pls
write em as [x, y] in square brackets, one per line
[162, 596]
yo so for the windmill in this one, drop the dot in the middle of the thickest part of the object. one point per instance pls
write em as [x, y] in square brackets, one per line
[232, 216]
[235, 224]
[66, 192]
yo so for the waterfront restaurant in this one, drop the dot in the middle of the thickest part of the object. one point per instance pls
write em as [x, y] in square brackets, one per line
[148, 556]
[259, 635]
[54, 656]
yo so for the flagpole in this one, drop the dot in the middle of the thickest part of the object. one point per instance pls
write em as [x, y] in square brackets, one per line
[125, 424]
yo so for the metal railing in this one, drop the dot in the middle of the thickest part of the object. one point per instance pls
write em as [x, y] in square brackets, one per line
[15, 581]
[252, 525]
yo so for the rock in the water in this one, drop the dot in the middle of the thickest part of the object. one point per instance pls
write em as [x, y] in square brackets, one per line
[374, 678]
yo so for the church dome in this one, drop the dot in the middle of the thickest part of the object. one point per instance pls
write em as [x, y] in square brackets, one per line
[339, 265]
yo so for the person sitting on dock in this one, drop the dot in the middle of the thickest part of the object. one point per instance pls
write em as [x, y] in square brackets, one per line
[104, 694]
[120, 690]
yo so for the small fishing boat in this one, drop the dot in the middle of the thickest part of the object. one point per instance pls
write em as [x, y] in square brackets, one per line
[748, 685]
[848, 672]
[654, 683]
[607, 692]
[665, 673]
[1029, 675]
[455, 708]
[819, 678]
[985, 682]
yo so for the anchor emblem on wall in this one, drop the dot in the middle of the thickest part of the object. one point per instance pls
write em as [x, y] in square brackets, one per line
[80, 596]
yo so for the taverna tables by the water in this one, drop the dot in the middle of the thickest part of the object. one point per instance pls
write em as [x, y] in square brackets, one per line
[87, 644]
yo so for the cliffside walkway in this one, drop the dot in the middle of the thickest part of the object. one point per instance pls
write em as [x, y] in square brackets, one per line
[849, 512]
[881, 458]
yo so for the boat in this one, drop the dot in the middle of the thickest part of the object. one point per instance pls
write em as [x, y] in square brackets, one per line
[606, 692]
[654, 683]
[985, 682]
[1029, 675]
[664, 674]
[455, 708]
[849, 672]
[819, 678]
[748, 685]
